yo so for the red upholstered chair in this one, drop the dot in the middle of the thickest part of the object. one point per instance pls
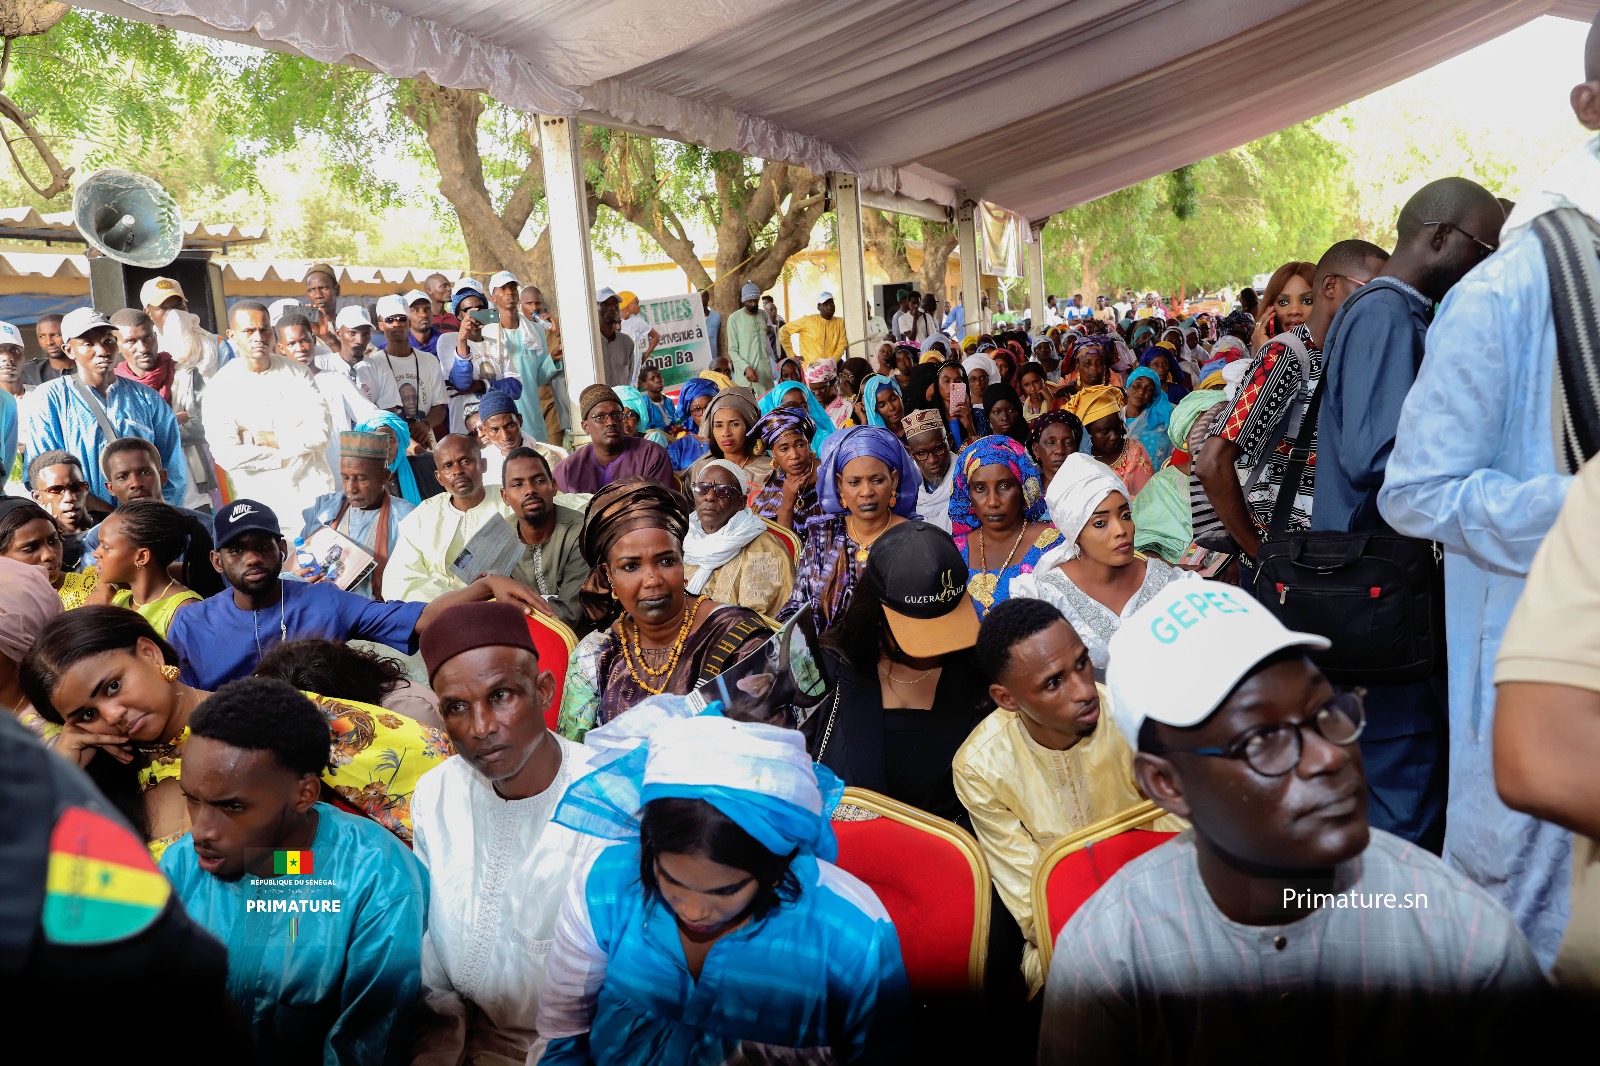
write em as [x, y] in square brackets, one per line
[934, 883]
[787, 537]
[1078, 864]
[555, 643]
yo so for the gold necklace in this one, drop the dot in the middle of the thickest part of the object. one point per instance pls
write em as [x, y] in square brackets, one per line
[865, 545]
[983, 549]
[888, 671]
[158, 596]
[665, 673]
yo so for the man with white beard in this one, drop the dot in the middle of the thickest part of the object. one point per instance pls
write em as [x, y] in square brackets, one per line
[178, 330]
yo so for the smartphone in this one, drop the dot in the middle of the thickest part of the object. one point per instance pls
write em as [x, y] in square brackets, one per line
[958, 394]
[483, 315]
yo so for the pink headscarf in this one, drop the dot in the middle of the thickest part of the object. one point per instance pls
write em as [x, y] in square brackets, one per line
[27, 602]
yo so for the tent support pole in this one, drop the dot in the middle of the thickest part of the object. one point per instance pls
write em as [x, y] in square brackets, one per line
[571, 265]
[853, 295]
[971, 281]
[1036, 293]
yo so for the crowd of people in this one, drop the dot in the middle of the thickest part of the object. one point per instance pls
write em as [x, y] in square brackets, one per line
[481, 723]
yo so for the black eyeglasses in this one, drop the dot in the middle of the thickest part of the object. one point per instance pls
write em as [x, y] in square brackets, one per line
[1488, 249]
[721, 492]
[393, 320]
[1274, 750]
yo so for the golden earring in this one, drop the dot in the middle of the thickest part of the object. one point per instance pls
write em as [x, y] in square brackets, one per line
[169, 672]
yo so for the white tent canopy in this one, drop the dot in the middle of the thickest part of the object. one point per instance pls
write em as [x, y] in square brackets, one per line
[1035, 105]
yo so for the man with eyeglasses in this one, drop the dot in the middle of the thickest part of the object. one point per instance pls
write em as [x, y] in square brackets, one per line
[416, 372]
[1280, 925]
[59, 487]
[610, 454]
[1377, 345]
[1490, 437]
[929, 446]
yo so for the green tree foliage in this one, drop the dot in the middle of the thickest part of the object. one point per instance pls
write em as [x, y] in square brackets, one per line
[1214, 223]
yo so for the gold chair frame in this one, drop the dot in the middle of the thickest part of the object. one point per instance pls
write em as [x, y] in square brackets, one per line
[882, 806]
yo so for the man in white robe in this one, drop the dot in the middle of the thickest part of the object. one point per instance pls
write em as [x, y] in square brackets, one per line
[498, 867]
[267, 425]
[436, 532]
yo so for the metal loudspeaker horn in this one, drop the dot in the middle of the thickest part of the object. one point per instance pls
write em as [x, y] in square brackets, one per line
[128, 217]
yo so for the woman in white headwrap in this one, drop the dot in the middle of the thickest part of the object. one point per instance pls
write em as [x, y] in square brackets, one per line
[730, 553]
[1096, 579]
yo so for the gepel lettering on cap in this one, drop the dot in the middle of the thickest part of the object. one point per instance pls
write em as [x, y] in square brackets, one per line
[1170, 624]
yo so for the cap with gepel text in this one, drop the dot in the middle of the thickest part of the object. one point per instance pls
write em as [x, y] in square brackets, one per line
[1177, 658]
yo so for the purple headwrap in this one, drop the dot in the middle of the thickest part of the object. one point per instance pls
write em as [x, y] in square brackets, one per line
[780, 420]
[872, 442]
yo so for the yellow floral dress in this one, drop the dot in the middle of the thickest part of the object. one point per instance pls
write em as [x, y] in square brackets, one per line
[75, 588]
[374, 761]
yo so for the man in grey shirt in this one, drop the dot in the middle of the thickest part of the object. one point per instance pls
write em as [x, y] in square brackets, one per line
[1280, 927]
[616, 346]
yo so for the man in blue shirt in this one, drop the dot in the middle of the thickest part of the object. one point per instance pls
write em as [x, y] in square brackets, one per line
[322, 912]
[1445, 230]
[75, 412]
[955, 320]
[224, 637]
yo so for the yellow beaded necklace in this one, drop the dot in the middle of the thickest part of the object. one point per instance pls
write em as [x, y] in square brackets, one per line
[665, 673]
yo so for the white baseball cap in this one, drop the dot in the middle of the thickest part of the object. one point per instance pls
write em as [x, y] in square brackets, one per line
[10, 334]
[278, 308]
[158, 291]
[466, 285]
[605, 294]
[389, 306]
[416, 295]
[1181, 654]
[502, 278]
[823, 297]
[351, 317]
[81, 320]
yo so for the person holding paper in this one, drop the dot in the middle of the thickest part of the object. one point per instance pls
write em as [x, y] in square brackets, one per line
[437, 532]
[364, 511]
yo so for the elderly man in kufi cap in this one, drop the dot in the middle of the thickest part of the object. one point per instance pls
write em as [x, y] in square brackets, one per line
[363, 511]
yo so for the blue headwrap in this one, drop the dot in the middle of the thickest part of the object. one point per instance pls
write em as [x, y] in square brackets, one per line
[1150, 427]
[1175, 389]
[869, 396]
[398, 465]
[758, 775]
[495, 402]
[872, 442]
[820, 419]
[692, 390]
[455, 301]
[995, 450]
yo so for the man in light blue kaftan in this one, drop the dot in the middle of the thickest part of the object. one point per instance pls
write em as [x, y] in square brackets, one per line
[1474, 468]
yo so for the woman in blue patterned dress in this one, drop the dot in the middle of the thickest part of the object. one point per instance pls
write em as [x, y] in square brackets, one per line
[998, 516]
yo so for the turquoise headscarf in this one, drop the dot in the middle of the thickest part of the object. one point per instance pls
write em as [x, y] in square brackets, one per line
[1150, 428]
[398, 465]
[869, 396]
[819, 414]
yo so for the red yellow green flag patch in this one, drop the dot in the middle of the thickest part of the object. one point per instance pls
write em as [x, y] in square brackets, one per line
[101, 884]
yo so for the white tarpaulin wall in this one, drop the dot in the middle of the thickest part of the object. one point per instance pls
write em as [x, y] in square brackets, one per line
[1034, 105]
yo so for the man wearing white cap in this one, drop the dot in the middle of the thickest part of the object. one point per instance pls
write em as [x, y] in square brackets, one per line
[747, 342]
[616, 347]
[524, 361]
[1280, 907]
[82, 413]
[267, 425]
[11, 392]
[821, 335]
[352, 360]
[417, 373]
[178, 330]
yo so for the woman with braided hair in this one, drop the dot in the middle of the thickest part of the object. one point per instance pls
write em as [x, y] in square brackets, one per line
[654, 637]
[139, 543]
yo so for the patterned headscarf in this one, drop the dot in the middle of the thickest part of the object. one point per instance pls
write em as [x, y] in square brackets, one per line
[618, 508]
[1037, 427]
[821, 372]
[1096, 402]
[869, 396]
[780, 420]
[995, 451]
[872, 442]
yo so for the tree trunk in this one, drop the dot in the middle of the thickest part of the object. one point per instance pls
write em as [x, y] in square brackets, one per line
[938, 241]
[888, 246]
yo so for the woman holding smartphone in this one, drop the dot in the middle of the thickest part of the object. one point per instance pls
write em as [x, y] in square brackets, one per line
[1286, 303]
